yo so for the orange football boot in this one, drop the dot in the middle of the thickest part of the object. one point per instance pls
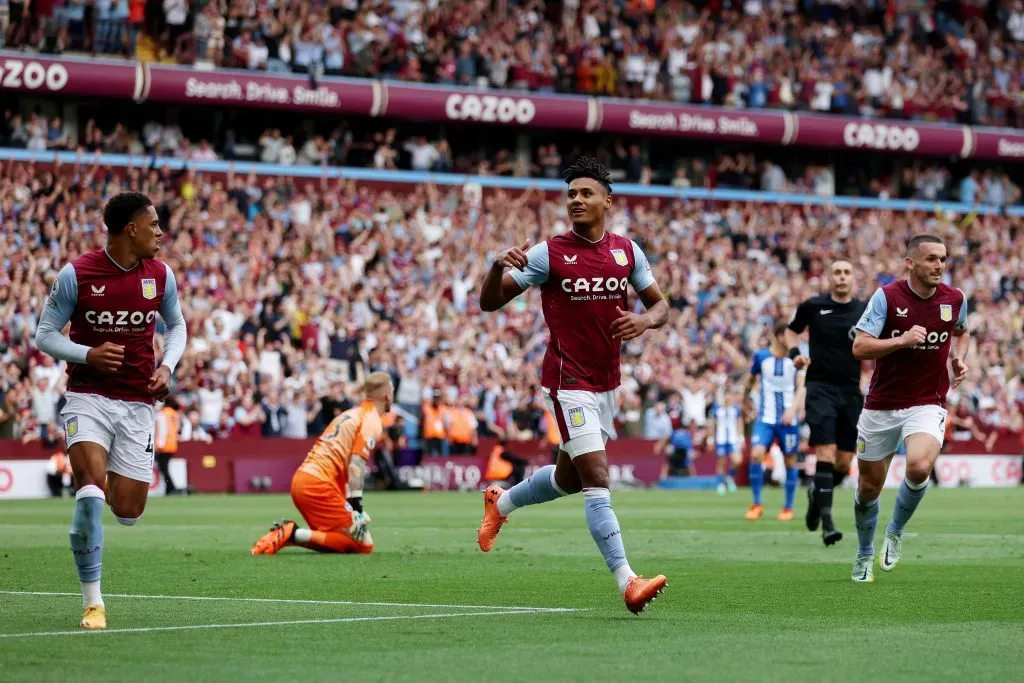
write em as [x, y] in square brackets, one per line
[95, 618]
[640, 592]
[755, 512]
[278, 537]
[493, 521]
[786, 515]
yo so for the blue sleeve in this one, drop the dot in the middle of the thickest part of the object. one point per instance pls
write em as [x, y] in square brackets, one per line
[60, 306]
[641, 277]
[961, 321]
[63, 295]
[170, 311]
[755, 368]
[873, 320]
[537, 267]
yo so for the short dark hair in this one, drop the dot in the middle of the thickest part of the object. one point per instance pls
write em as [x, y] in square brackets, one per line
[917, 241]
[780, 328]
[588, 167]
[122, 208]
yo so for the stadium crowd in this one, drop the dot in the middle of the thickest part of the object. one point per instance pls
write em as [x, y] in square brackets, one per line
[293, 289]
[384, 148]
[947, 60]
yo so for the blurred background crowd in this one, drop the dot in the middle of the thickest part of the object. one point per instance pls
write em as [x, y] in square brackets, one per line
[943, 60]
[294, 289]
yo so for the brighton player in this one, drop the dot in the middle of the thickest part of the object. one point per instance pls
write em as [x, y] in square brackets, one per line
[112, 297]
[908, 330]
[726, 428]
[778, 418]
[583, 276]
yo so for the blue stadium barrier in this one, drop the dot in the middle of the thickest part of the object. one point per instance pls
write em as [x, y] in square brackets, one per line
[418, 177]
[696, 483]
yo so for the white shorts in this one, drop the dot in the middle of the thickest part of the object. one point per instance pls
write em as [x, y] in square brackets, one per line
[585, 419]
[123, 428]
[880, 432]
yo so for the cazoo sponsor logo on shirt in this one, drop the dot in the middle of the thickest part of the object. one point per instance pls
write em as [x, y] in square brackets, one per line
[120, 321]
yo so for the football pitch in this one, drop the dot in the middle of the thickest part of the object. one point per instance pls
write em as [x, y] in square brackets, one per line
[761, 601]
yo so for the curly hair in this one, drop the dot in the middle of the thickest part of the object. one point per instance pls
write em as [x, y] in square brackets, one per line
[122, 209]
[588, 167]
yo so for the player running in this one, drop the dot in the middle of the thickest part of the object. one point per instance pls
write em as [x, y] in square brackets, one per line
[111, 297]
[583, 277]
[778, 418]
[908, 329]
[834, 400]
[327, 488]
[725, 428]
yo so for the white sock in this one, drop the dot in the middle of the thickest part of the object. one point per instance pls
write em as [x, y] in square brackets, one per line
[623, 574]
[302, 535]
[91, 594]
[505, 504]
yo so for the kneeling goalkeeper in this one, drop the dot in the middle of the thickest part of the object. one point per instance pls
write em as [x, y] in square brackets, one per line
[327, 488]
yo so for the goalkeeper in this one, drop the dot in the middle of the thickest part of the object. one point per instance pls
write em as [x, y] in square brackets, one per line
[327, 488]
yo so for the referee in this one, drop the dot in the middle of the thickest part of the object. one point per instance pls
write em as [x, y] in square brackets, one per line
[834, 400]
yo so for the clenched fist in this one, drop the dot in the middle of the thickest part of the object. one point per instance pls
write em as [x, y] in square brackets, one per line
[914, 336]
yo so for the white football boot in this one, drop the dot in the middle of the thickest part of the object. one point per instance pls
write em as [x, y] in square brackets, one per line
[864, 569]
[892, 549]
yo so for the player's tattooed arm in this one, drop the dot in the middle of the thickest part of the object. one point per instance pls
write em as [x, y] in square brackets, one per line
[356, 481]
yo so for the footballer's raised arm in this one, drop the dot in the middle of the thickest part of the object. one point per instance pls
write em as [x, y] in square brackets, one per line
[529, 267]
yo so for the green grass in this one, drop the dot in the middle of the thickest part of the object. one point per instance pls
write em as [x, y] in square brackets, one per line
[754, 602]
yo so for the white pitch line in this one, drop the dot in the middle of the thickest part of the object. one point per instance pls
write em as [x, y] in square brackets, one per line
[258, 624]
[301, 602]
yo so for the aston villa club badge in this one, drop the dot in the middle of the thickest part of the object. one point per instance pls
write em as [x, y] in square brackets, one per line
[148, 288]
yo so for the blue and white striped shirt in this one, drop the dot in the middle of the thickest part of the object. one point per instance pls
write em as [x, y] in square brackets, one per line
[778, 385]
[726, 424]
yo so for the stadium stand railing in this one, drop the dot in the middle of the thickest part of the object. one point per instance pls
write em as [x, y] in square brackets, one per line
[499, 182]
